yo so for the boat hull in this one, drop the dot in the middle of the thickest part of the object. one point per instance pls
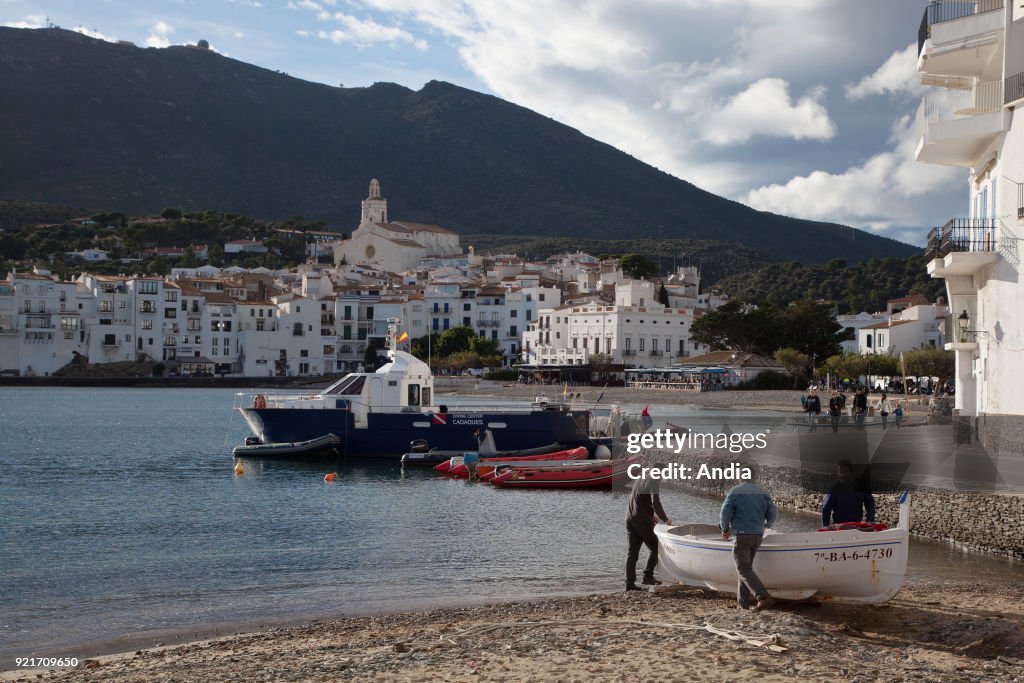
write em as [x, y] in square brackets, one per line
[388, 435]
[841, 566]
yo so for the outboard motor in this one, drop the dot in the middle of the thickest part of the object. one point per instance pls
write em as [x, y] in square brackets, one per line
[252, 441]
[419, 446]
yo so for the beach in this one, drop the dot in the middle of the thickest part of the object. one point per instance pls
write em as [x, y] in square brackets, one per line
[930, 631]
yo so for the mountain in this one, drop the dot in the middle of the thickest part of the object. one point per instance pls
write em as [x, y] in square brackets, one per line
[93, 123]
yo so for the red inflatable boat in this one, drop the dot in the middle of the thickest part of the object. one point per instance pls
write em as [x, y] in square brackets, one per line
[569, 476]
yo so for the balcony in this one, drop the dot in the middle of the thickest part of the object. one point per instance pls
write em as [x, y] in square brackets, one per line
[960, 123]
[963, 246]
[488, 323]
[628, 352]
[656, 354]
[961, 38]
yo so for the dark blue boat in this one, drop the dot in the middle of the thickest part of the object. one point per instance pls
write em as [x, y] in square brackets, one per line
[379, 414]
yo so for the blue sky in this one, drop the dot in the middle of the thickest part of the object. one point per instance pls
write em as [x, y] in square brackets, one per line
[802, 107]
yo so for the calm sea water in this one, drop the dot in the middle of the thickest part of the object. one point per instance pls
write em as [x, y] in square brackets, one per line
[124, 521]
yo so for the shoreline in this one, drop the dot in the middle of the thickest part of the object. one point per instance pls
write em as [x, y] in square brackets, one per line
[949, 631]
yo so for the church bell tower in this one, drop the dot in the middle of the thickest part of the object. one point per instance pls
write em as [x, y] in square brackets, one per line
[375, 207]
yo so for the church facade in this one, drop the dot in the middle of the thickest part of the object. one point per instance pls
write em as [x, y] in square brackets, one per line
[392, 246]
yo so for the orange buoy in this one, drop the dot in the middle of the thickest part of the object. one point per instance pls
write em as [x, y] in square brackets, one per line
[239, 468]
[330, 476]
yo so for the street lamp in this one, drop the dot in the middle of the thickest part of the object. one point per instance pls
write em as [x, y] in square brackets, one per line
[964, 322]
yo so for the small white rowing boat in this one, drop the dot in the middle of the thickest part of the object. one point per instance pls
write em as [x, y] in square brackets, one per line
[863, 567]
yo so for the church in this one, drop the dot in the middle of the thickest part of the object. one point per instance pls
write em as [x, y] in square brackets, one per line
[395, 247]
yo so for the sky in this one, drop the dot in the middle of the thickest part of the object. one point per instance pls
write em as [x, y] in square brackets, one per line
[800, 107]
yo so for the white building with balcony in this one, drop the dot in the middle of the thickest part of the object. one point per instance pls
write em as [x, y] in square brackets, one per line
[920, 325]
[973, 52]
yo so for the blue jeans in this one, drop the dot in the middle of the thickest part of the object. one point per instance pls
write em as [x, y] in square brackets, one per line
[812, 420]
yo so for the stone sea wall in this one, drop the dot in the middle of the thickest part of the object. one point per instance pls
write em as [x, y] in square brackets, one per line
[993, 523]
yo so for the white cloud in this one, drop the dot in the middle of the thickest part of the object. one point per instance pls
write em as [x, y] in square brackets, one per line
[366, 32]
[898, 75]
[765, 108]
[882, 193]
[31, 21]
[158, 37]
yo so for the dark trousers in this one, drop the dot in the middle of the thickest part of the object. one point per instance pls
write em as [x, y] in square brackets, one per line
[749, 585]
[835, 422]
[639, 535]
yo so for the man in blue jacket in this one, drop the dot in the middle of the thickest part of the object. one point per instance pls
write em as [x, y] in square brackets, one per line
[847, 500]
[746, 511]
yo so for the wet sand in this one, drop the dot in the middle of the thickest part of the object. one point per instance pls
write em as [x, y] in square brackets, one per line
[949, 632]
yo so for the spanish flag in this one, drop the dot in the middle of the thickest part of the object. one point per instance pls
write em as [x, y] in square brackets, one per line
[402, 337]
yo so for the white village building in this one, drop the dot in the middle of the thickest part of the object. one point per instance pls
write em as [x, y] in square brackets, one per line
[973, 53]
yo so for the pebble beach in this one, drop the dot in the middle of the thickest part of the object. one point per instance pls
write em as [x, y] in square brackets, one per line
[929, 632]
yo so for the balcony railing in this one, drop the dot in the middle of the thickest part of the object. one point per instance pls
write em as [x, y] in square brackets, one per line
[970, 99]
[939, 11]
[962, 235]
[1013, 88]
[628, 352]
[655, 353]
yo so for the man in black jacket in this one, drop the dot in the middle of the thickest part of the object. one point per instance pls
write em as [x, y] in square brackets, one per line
[643, 512]
[813, 409]
[848, 500]
[835, 409]
[860, 406]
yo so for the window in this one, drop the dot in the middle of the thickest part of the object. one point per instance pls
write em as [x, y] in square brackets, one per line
[214, 351]
[149, 287]
[214, 326]
[170, 341]
[252, 312]
[226, 341]
[466, 307]
[184, 305]
[170, 295]
[170, 313]
[654, 343]
[184, 340]
[106, 306]
[147, 307]
[68, 323]
[540, 297]
[529, 315]
[514, 314]
[127, 337]
[226, 325]
[642, 340]
[328, 350]
[304, 353]
[297, 330]
[197, 340]
[42, 307]
[513, 331]
[414, 394]
[529, 297]
[259, 325]
[629, 343]
[194, 324]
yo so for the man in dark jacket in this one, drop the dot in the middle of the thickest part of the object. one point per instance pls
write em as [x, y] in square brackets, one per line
[642, 513]
[847, 500]
[860, 406]
[835, 409]
[813, 409]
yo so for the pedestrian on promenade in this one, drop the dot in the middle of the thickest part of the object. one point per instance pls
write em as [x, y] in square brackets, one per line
[835, 409]
[813, 409]
[884, 408]
[860, 407]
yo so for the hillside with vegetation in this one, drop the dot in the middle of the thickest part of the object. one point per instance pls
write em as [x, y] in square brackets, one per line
[34, 233]
[99, 124]
[853, 287]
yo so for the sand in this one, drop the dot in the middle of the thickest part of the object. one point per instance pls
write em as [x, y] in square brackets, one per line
[929, 632]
